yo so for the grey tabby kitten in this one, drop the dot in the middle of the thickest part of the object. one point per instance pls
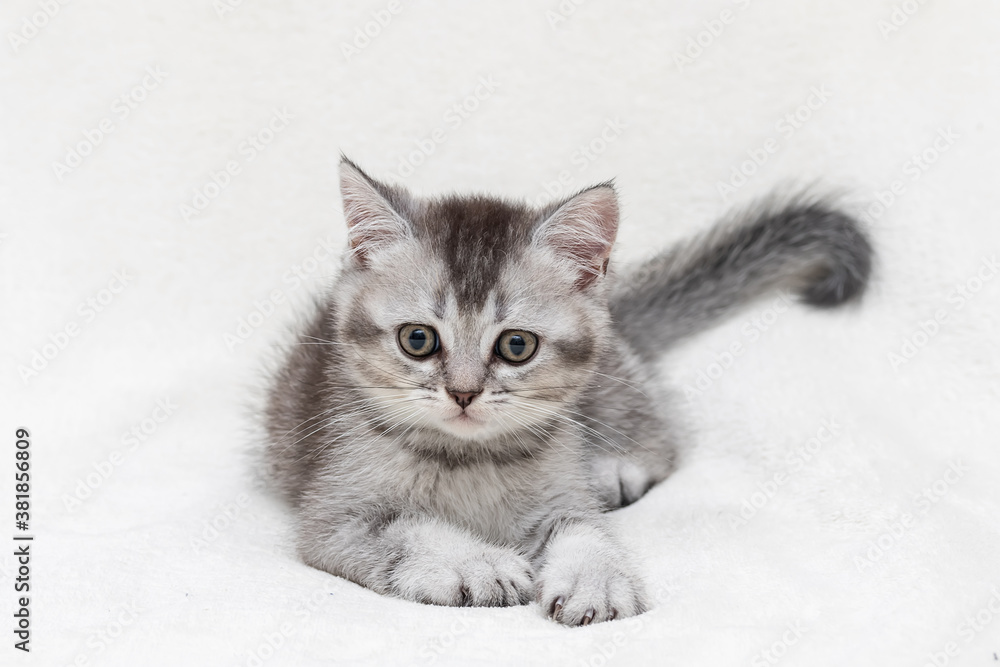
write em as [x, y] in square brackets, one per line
[477, 389]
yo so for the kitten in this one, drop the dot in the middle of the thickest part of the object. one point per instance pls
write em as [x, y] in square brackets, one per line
[477, 388]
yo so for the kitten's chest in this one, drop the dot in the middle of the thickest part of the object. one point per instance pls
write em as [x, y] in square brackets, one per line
[491, 500]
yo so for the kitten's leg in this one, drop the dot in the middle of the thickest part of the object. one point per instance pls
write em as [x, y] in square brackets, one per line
[625, 419]
[628, 457]
[418, 557]
[584, 575]
[619, 481]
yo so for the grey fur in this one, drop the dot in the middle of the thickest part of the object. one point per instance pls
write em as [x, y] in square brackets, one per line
[802, 244]
[399, 489]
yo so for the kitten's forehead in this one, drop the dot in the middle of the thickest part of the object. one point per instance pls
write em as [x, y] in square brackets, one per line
[447, 304]
[476, 239]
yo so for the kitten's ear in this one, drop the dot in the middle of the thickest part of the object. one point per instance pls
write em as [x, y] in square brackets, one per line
[372, 222]
[582, 229]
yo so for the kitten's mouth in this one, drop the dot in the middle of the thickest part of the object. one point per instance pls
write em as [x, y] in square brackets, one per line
[465, 425]
[464, 417]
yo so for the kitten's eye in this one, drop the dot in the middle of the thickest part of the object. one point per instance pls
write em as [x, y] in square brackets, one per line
[418, 340]
[516, 346]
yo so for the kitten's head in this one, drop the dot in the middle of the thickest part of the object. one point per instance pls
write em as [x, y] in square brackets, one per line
[470, 316]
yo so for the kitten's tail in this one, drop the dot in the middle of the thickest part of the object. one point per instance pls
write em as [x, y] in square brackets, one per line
[805, 245]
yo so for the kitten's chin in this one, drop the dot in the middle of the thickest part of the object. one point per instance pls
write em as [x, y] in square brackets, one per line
[468, 427]
[465, 427]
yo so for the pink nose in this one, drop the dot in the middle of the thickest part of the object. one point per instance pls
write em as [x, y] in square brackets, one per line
[463, 398]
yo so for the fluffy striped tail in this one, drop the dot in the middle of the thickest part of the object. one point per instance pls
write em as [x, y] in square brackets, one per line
[806, 245]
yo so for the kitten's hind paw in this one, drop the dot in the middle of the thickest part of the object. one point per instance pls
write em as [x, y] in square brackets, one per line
[619, 482]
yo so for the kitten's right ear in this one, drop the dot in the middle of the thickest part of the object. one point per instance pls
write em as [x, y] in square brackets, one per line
[582, 229]
[372, 222]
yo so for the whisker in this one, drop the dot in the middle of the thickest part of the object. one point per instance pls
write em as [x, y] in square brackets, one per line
[608, 426]
[323, 341]
[390, 373]
[514, 434]
[541, 410]
[326, 423]
[324, 412]
[327, 444]
[562, 402]
[330, 421]
[539, 431]
[361, 386]
[616, 379]
[565, 386]
[353, 348]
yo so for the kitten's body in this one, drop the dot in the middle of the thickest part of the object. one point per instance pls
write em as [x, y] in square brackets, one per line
[405, 484]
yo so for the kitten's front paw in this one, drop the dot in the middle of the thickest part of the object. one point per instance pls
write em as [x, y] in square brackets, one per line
[494, 577]
[588, 589]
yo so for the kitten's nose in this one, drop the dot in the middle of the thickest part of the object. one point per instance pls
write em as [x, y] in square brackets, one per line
[464, 398]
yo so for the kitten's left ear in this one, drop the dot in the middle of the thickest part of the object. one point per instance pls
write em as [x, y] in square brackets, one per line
[582, 229]
[373, 222]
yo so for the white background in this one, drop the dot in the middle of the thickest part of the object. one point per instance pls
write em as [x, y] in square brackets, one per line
[823, 553]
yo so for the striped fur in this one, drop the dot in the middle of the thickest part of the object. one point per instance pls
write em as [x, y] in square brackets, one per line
[500, 501]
